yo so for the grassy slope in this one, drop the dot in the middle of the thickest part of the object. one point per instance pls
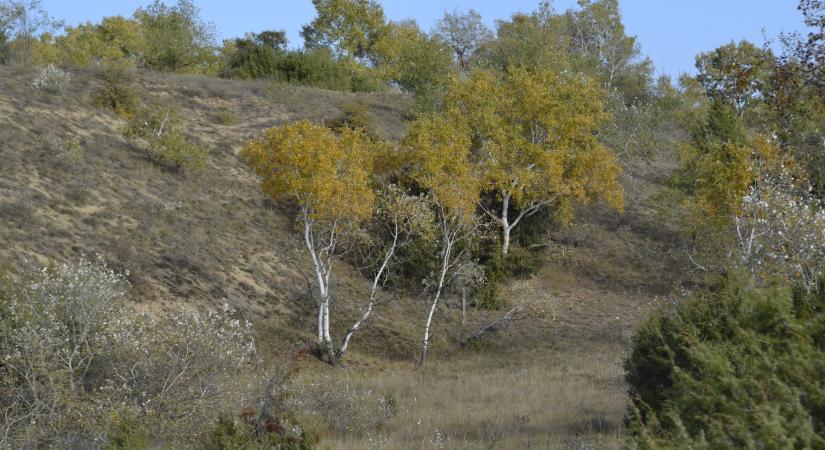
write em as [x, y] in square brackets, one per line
[552, 379]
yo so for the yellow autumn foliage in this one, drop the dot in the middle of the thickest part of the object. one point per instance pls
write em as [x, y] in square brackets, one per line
[320, 171]
[533, 136]
[438, 151]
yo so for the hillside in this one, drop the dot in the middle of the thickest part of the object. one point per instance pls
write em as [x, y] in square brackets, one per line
[552, 379]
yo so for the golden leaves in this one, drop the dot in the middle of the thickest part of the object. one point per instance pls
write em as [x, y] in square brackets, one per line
[308, 164]
[439, 152]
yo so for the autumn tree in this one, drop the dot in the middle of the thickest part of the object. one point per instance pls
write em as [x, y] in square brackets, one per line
[465, 33]
[439, 150]
[112, 39]
[532, 137]
[326, 176]
[349, 27]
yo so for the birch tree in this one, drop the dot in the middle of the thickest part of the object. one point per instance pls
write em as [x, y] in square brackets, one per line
[401, 219]
[440, 151]
[534, 145]
[327, 177]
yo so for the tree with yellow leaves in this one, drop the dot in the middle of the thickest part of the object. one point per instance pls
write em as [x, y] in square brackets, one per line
[327, 177]
[532, 136]
[441, 165]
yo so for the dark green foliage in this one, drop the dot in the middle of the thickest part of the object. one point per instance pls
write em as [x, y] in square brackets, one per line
[255, 57]
[316, 68]
[229, 434]
[518, 263]
[721, 126]
[731, 368]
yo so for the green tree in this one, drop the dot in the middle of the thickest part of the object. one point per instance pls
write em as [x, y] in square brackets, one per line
[176, 38]
[730, 368]
[256, 55]
[735, 73]
[527, 40]
[465, 33]
[349, 27]
[418, 63]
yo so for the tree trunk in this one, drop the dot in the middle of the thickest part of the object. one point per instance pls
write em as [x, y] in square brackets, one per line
[505, 224]
[445, 265]
[327, 337]
[373, 293]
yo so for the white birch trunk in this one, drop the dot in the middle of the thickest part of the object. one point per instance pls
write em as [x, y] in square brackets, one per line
[365, 313]
[505, 224]
[445, 265]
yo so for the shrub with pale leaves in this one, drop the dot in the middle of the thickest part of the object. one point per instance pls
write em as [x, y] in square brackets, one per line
[51, 79]
[72, 356]
[781, 231]
[345, 408]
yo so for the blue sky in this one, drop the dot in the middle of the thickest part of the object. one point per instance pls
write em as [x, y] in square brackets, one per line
[671, 32]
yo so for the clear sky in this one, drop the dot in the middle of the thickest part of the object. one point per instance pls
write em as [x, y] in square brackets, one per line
[671, 32]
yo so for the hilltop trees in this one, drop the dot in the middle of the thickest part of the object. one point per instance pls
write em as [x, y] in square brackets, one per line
[417, 62]
[20, 21]
[464, 33]
[176, 39]
[351, 28]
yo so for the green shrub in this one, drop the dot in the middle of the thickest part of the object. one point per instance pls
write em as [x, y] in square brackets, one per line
[356, 116]
[518, 263]
[160, 127]
[117, 91]
[318, 68]
[731, 368]
[126, 432]
[229, 434]
[226, 117]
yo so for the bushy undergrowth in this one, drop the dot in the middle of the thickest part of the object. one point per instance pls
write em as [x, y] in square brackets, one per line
[51, 79]
[317, 68]
[518, 263]
[75, 364]
[117, 91]
[732, 368]
[160, 127]
[342, 407]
